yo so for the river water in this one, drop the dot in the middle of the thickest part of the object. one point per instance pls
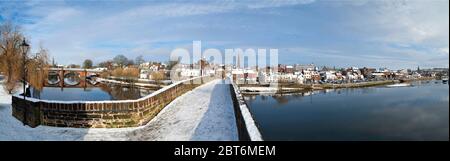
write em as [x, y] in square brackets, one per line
[417, 112]
[100, 93]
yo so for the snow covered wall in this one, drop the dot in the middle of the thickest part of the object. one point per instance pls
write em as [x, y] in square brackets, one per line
[247, 127]
[100, 114]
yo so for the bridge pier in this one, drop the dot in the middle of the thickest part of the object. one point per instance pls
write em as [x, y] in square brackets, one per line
[85, 79]
[61, 76]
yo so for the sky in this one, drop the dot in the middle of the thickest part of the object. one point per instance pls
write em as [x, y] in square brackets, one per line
[343, 33]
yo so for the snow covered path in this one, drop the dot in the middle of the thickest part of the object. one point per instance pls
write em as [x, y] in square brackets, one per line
[12, 129]
[203, 114]
[206, 113]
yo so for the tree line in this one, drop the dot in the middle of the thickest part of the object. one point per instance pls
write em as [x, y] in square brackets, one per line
[119, 61]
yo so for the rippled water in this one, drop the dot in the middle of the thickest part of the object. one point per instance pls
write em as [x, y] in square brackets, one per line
[418, 112]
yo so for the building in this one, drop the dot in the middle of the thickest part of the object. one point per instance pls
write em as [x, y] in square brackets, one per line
[367, 72]
[189, 72]
[100, 69]
[309, 67]
[147, 68]
[281, 68]
[289, 69]
[250, 76]
[329, 75]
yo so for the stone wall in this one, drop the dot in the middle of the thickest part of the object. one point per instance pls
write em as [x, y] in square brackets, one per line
[247, 127]
[100, 114]
[240, 122]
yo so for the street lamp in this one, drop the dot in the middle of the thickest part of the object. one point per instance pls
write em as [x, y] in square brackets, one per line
[25, 47]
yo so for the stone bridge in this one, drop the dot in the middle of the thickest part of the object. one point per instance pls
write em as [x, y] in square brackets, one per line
[71, 77]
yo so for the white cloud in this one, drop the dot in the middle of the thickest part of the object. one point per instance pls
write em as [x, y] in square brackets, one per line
[72, 31]
[411, 21]
[416, 30]
[443, 50]
[275, 3]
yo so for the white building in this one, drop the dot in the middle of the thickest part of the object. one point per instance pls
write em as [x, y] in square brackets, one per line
[101, 69]
[329, 75]
[378, 75]
[287, 78]
[190, 72]
[266, 78]
[144, 74]
[307, 74]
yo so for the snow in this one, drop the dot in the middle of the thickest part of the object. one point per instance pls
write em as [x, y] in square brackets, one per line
[206, 113]
[12, 129]
[252, 128]
[125, 83]
[399, 85]
[265, 89]
[260, 89]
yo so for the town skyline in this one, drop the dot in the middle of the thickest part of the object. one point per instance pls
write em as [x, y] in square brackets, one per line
[338, 33]
[320, 66]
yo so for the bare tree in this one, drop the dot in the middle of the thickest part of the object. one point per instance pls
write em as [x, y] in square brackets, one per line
[171, 64]
[73, 66]
[139, 60]
[121, 60]
[87, 64]
[10, 55]
[37, 69]
[106, 64]
[158, 76]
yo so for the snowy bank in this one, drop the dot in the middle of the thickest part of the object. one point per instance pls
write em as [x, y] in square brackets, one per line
[399, 85]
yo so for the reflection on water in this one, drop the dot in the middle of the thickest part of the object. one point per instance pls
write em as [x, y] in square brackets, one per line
[102, 92]
[419, 112]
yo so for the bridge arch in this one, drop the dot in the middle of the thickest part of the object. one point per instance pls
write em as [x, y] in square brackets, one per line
[53, 78]
[72, 78]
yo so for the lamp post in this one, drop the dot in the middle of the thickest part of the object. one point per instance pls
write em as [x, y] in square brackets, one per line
[25, 47]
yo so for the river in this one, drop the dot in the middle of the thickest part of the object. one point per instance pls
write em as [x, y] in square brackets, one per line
[417, 112]
[101, 92]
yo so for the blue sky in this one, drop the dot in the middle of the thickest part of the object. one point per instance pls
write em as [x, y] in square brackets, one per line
[342, 33]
